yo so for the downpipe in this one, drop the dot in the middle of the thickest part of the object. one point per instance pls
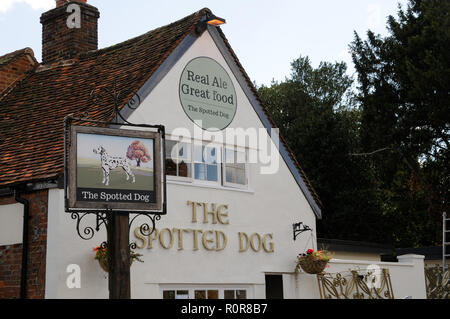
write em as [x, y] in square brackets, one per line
[24, 268]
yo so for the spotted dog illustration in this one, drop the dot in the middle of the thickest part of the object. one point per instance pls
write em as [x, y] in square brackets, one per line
[110, 162]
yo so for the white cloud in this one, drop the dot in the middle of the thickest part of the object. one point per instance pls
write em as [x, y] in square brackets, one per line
[6, 5]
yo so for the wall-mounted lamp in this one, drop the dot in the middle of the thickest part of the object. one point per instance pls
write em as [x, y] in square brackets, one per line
[209, 19]
[299, 228]
[215, 21]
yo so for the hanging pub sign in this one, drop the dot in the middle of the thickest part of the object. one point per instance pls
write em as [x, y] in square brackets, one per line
[207, 94]
[114, 169]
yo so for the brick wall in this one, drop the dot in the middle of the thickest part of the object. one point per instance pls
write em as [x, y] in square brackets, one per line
[59, 42]
[15, 70]
[11, 255]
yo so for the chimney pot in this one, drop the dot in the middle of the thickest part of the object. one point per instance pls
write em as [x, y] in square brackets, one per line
[60, 3]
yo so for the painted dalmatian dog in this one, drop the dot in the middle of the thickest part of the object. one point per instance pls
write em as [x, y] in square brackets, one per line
[110, 162]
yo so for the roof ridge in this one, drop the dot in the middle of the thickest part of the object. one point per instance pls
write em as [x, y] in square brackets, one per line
[12, 55]
[142, 36]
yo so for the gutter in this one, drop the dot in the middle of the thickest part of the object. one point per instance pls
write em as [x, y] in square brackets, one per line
[24, 268]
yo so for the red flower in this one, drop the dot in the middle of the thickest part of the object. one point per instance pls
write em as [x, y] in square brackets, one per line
[309, 251]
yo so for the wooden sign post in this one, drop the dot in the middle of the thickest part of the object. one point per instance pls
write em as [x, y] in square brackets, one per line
[119, 256]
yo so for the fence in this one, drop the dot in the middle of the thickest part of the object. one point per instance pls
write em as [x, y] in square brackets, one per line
[366, 284]
[356, 279]
[437, 282]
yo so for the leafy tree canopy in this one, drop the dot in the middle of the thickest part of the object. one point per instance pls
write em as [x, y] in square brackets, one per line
[377, 154]
[316, 113]
[404, 97]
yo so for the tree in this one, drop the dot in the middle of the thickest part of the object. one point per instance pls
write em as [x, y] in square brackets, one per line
[405, 126]
[315, 111]
[137, 151]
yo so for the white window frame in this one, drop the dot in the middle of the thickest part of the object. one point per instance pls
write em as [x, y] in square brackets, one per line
[221, 182]
[219, 287]
[218, 148]
[188, 141]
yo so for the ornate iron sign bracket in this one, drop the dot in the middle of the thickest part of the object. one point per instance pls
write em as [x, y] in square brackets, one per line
[102, 216]
[297, 229]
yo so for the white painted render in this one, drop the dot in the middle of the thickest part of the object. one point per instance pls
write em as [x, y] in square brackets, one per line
[11, 224]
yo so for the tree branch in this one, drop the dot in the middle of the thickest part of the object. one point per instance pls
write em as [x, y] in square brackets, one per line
[371, 153]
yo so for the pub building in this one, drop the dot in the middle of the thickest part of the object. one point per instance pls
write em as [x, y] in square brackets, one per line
[234, 188]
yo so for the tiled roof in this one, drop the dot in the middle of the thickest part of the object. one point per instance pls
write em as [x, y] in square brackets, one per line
[7, 58]
[32, 114]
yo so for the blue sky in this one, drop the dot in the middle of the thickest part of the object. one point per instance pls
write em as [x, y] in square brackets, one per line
[266, 35]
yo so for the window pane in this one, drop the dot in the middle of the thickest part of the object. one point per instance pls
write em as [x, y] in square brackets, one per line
[228, 294]
[200, 294]
[212, 172]
[213, 294]
[169, 294]
[240, 157]
[240, 177]
[178, 158]
[235, 171]
[229, 156]
[211, 155]
[241, 294]
[200, 171]
[184, 151]
[235, 175]
[170, 149]
[171, 167]
[234, 157]
[198, 153]
[229, 174]
[184, 169]
[182, 294]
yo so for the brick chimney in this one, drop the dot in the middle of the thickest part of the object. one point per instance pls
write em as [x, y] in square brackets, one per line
[69, 29]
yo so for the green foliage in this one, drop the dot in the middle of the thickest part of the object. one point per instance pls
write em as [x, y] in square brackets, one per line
[102, 253]
[404, 85]
[378, 158]
[316, 114]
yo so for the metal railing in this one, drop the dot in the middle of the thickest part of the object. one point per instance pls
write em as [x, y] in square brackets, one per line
[437, 282]
[356, 284]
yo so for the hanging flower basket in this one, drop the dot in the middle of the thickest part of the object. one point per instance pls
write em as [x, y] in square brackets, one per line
[313, 266]
[101, 254]
[313, 262]
[103, 262]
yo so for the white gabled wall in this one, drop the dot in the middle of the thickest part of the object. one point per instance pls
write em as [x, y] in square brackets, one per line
[269, 208]
[274, 205]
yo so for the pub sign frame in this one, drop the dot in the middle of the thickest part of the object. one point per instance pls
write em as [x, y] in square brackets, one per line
[112, 169]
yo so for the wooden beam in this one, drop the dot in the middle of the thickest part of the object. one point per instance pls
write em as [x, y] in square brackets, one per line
[119, 256]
